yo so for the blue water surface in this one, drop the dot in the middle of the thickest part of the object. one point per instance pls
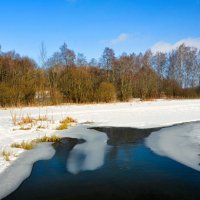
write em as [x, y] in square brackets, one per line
[130, 171]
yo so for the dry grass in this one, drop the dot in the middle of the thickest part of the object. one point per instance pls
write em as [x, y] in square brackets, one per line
[68, 120]
[6, 155]
[62, 126]
[26, 120]
[52, 138]
[13, 117]
[24, 145]
[24, 128]
[65, 123]
[27, 123]
[30, 145]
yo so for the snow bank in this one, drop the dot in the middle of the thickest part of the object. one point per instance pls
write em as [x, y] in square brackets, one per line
[93, 150]
[13, 176]
[180, 143]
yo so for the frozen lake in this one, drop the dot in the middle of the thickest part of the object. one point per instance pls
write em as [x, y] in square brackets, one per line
[130, 166]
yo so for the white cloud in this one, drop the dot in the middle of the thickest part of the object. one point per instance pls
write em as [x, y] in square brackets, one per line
[167, 47]
[123, 37]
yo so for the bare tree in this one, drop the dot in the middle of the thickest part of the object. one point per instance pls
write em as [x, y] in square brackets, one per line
[108, 58]
[160, 64]
[81, 60]
[93, 63]
[106, 61]
[147, 58]
[43, 55]
[67, 55]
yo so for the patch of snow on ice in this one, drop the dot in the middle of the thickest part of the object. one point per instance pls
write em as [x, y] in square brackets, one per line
[180, 143]
[21, 169]
[88, 155]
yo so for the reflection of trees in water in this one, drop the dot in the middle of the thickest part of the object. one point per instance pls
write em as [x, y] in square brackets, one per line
[121, 139]
[113, 153]
[117, 151]
[120, 136]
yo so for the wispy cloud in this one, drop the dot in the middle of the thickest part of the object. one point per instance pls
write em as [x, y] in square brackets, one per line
[167, 47]
[123, 37]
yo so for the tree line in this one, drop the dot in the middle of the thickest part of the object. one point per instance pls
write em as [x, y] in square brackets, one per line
[69, 78]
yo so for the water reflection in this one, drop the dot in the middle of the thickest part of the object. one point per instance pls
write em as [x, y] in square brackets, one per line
[126, 170]
[90, 154]
[121, 138]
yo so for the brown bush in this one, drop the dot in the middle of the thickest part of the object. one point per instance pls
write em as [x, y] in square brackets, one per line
[106, 92]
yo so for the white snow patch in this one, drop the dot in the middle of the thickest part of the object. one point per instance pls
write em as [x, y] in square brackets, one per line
[180, 143]
[91, 152]
[19, 170]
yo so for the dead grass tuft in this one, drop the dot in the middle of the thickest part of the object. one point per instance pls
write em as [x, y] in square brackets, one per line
[68, 120]
[26, 120]
[13, 117]
[65, 123]
[24, 145]
[30, 145]
[6, 155]
[52, 138]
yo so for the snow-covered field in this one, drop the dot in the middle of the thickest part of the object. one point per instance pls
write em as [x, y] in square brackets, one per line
[138, 114]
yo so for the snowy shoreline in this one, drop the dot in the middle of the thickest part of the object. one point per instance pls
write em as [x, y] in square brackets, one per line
[93, 148]
[136, 114]
[180, 143]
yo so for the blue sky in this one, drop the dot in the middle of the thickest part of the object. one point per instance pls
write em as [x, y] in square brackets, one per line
[87, 26]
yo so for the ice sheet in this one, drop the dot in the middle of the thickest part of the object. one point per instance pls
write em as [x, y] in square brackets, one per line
[180, 143]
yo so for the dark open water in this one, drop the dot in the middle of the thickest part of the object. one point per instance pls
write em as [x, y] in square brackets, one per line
[130, 171]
